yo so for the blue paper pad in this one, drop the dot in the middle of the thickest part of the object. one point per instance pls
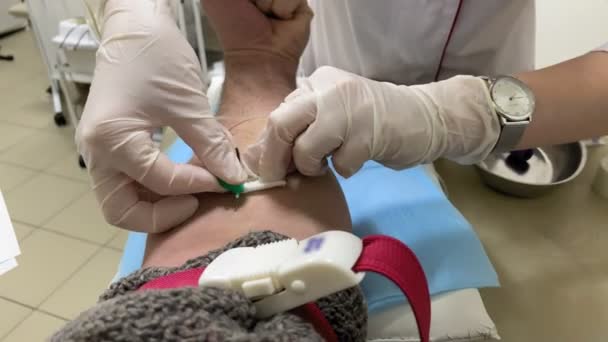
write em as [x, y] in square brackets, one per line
[410, 206]
[407, 205]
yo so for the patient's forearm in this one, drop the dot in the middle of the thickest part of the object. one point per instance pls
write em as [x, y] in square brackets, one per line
[252, 89]
[305, 207]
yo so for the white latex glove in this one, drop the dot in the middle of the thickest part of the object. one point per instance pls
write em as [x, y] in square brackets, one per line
[355, 119]
[148, 76]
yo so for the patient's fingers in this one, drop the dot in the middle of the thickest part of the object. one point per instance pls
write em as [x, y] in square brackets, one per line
[264, 5]
[283, 9]
[122, 204]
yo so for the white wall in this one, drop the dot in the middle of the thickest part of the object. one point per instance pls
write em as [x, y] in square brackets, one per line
[568, 28]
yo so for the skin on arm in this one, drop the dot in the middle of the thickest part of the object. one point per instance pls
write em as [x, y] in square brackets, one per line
[571, 101]
[307, 206]
[261, 57]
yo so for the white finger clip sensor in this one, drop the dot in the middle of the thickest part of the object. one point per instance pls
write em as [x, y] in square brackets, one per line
[283, 275]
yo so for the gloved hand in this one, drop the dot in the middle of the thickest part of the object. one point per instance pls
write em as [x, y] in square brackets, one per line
[355, 119]
[148, 76]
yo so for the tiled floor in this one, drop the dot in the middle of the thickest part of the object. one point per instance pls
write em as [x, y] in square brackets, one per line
[65, 264]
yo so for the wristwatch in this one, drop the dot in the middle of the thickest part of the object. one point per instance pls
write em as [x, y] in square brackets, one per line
[514, 103]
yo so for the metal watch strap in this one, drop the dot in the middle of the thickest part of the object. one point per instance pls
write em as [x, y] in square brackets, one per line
[510, 135]
[511, 132]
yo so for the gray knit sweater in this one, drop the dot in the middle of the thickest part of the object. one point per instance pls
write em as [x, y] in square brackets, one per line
[205, 314]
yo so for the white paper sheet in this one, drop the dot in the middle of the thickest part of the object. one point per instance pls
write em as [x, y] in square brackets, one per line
[9, 247]
[7, 265]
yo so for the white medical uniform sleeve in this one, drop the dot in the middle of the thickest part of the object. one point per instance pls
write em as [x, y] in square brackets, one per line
[602, 47]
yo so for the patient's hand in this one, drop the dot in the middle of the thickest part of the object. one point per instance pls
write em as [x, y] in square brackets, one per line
[261, 56]
[243, 29]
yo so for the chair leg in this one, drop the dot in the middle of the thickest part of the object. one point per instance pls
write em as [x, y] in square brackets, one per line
[57, 107]
[68, 97]
[81, 162]
[60, 119]
[8, 58]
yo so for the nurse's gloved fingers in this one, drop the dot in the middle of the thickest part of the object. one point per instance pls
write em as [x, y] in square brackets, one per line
[350, 157]
[292, 118]
[276, 157]
[159, 216]
[168, 178]
[212, 144]
[322, 137]
[312, 148]
[112, 5]
[139, 158]
[122, 205]
[304, 88]
[251, 157]
[328, 78]
[284, 126]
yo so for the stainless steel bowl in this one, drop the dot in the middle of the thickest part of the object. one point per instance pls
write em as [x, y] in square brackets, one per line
[548, 168]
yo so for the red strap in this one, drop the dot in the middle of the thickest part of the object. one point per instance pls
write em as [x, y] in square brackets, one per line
[312, 314]
[381, 254]
[188, 278]
[394, 260]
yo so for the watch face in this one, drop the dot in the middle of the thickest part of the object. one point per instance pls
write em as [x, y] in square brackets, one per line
[512, 98]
